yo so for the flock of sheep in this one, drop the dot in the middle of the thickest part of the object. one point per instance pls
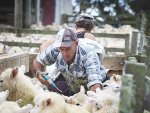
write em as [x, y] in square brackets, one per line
[41, 38]
[22, 94]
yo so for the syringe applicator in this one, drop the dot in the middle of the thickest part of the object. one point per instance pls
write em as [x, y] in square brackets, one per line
[47, 78]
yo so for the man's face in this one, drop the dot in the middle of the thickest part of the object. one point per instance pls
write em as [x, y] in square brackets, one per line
[68, 53]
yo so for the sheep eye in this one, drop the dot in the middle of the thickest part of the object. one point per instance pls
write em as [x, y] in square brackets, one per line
[37, 105]
[1, 80]
[105, 85]
[77, 104]
[96, 104]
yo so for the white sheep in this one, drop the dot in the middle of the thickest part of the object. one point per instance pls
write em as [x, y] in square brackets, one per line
[19, 86]
[51, 102]
[4, 49]
[3, 96]
[116, 78]
[106, 102]
[16, 49]
[13, 107]
[111, 85]
[79, 99]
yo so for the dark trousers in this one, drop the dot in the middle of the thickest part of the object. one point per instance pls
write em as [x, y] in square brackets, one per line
[63, 86]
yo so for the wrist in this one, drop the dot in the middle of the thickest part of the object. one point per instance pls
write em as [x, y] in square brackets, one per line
[37, 73]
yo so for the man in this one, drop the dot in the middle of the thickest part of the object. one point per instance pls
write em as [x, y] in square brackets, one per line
[78, 63]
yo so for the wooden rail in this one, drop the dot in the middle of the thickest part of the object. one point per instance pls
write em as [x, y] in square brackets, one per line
[126, 50]
[114, 20]
[14, 59]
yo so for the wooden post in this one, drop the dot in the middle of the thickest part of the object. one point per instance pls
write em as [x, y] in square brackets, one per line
[139, 72]
[134, 42]
[127, 99]
[31, 72]
[37, 10]
[127, 44]
[147, 94]
[27, 13]
[18, 14]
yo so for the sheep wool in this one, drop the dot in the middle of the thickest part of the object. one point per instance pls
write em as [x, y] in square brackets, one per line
[13, 107]
[51, 102]
[116, 78]
[19, 86]
[3, 96]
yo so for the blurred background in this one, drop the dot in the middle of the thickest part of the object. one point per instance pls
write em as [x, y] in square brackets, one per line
[24, 13]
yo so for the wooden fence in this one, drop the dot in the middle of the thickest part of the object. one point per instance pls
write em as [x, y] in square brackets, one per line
[115, 21]
[126, 37]
[133, 87]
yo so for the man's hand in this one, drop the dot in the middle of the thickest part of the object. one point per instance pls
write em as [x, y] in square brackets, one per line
[93, 88]
[42, 80]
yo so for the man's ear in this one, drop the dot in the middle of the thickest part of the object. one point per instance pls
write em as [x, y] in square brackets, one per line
[76, 26]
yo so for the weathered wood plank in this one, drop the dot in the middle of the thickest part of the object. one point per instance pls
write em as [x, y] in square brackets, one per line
[12, 60]
[127, 99]
[139, 71]
[110, 35]
[18, 14]
[31, 72]
[27, 31]
[127, 42]
[114, 49]
[28, 18]
[114, 62]
[134, 42]
[21, 44]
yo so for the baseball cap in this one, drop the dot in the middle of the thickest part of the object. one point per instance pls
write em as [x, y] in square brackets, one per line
[84, 16]
[65, 38]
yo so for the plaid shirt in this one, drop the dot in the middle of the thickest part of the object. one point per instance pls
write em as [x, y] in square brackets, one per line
[86, 69]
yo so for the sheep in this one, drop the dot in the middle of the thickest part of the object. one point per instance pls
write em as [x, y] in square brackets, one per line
[13, 107]
[19, 86]
[116, 78]
[3, 96]
[4, 49]
[16, 49]
[51, 102]
[106, 102]
[111, 85]
[79, 99]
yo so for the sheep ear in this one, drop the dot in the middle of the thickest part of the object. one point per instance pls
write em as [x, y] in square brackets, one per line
[22, 69]
[82, 90]
[14, 72]
[47, 102]
[114, 77]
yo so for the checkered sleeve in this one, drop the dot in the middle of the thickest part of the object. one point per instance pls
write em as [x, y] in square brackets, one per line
[92, 65]
[48, 56]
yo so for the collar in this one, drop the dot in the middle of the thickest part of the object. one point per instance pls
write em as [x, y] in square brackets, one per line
[76, 60]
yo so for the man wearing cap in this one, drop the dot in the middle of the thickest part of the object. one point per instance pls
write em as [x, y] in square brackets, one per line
[78, 63]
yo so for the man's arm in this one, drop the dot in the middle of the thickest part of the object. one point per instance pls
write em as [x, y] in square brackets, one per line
[46, 44]
[38, 67]
[92, 66]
